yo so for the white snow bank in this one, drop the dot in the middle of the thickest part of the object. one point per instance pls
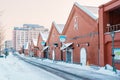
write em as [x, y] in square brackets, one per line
[101, 70]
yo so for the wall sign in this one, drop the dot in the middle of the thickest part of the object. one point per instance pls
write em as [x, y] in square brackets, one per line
[43, 43]
[117, 55]
[62, 38]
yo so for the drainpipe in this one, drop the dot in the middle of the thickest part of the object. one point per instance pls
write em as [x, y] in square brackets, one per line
[98, 45]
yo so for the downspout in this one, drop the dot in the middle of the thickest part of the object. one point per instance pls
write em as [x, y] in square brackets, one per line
[98, 45]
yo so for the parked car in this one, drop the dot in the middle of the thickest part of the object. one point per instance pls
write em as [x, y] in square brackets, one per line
[2, 55]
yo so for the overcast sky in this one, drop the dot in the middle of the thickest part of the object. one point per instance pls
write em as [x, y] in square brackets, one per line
[43, 12]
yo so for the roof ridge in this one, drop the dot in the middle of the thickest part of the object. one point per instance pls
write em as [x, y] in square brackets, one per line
[89, 12]
[56, 25]
[43, 35]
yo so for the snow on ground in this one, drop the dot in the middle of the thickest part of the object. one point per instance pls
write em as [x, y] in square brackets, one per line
[87, 71]
[100, 70]
[13, 68]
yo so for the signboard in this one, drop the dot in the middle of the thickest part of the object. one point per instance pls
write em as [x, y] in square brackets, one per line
[43, 43]
[117, 53]
[62, 38]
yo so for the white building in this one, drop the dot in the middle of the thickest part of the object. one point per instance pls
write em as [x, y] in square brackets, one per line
[24, 34]
[8, 44]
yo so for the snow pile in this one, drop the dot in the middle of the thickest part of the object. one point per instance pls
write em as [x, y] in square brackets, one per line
[108, 69]
[102, 70]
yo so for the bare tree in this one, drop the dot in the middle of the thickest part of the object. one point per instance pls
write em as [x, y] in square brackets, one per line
[2, 34]
[2, 37]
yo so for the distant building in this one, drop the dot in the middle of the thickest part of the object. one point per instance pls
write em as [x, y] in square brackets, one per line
[24, 34]
[8, 44]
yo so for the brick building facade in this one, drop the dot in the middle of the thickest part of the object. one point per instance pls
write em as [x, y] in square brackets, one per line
[81, 31]
[53, 41]
[109, 21]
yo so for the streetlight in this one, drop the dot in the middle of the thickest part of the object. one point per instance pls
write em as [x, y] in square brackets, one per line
[62, 39]
[113, 55]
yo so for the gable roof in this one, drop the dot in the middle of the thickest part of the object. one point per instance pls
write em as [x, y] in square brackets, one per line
[90, 10]
[34, 42]
[44, 35]
[59, 27]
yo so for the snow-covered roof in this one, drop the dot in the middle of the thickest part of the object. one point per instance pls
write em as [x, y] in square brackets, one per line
[35, 42]
[26, 45]
[59, 27]
[44, 35]
[45, 48]
[64, 46]
[90, 10]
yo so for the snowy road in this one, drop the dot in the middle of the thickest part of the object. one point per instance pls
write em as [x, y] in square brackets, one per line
[64, 74]
[13, 68]
[75, 74]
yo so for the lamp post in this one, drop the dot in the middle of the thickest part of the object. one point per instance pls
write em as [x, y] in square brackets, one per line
[113, 55]
[43, 43]
[62, 39]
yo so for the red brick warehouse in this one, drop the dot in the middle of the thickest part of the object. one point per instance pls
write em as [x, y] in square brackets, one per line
[81, 30]
[54, 43]
[33, 48]
[42, 46]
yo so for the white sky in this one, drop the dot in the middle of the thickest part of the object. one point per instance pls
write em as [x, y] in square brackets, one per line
[43, 12]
